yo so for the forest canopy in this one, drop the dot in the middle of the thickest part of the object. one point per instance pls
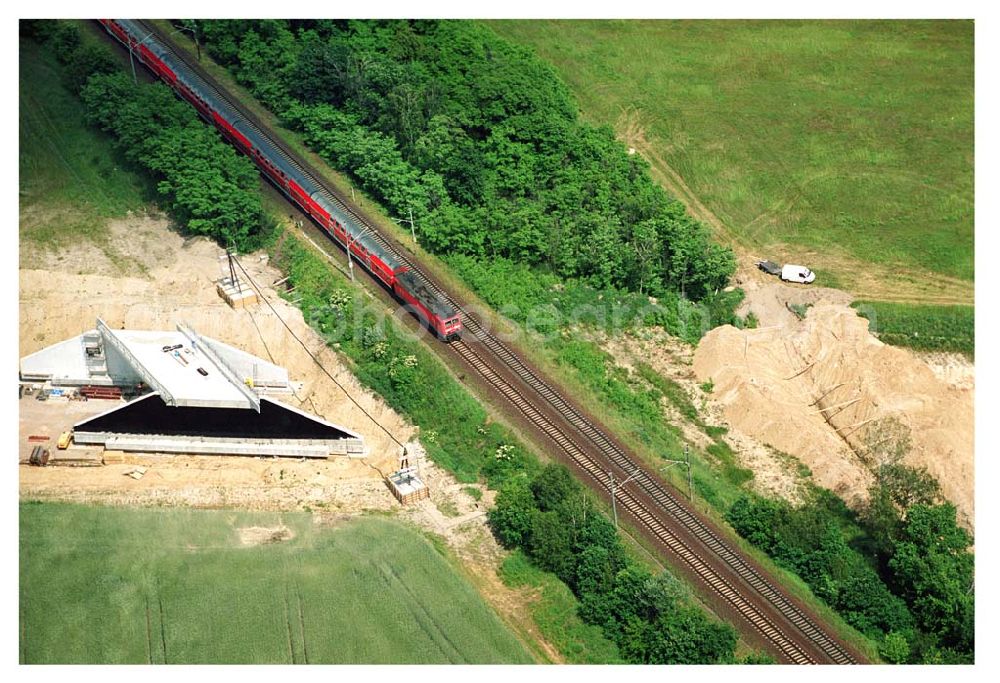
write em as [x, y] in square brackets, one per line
[481, 140]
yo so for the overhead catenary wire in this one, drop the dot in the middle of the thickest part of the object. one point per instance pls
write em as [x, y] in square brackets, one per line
[260, 334]
[260, 293]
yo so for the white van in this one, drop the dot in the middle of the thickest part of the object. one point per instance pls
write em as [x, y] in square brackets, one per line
[790, 273]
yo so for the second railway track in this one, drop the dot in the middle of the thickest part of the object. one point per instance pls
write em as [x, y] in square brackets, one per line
[732, 582]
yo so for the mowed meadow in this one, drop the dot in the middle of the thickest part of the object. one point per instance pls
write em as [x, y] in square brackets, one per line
[846, 143]
[120, 585]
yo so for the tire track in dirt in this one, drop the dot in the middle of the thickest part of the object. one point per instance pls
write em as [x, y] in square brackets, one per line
[905, 285]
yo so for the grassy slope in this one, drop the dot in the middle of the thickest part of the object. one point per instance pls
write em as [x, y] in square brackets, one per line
[70, 181]
[925, 328]
[138, 585]
[554, 610]
[854, 139]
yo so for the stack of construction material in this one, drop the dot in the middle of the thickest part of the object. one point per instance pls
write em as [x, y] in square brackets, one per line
[91, 391]
[39, 456]
[76, 457]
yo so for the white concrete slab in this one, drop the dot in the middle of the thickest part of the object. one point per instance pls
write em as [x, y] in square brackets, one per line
[65, 360]
[176, 371]
[249, 366]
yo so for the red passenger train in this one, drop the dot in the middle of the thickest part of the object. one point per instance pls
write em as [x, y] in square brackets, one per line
[437, 314]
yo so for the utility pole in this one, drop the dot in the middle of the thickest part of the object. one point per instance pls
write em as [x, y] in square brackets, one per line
[232, 272]
[193, 29]
[197, 39]
[686, 462]
[611, 476]
[413, 229]
[351, 240]
[687, 457]
[131, 60]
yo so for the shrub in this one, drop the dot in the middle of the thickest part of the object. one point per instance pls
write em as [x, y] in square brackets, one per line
[810, 541]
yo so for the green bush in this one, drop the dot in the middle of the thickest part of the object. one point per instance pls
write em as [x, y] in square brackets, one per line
[651, 619]
[811, 542]
[510, 518]
[932, 569]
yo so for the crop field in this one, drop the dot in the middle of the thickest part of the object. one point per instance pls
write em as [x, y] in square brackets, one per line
[71, 182]
[926, 328]
[119, 585]
[842, 142]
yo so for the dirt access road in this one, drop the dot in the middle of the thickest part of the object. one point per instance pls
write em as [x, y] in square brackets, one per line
[818, 417]
[901, 285]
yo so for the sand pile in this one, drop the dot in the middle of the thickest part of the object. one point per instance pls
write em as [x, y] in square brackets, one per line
[811, 389]
[770, 302]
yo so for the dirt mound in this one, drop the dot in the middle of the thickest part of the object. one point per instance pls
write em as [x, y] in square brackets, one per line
[812, 387]
[771, 302]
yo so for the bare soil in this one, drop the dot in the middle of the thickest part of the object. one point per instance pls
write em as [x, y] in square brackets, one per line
[771, 301]
[147, 276]
[775, 473]
[812, 388]
[262, 535]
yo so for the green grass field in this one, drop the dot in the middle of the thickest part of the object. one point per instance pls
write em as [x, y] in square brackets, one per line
[849, 141]
[71, 181]
[554, 611]
[119, 585]
[926, 328]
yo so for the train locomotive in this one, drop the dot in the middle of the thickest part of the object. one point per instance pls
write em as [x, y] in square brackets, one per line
[433, 311]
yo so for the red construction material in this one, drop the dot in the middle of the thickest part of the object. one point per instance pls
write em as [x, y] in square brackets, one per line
[38, 437]
[90, 391]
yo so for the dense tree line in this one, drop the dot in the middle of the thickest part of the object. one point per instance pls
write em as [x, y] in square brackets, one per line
[205, 184]
[481, 140]
[900, 572]
[651, 618]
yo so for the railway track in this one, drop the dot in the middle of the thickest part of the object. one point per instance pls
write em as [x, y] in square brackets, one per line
[738, 586]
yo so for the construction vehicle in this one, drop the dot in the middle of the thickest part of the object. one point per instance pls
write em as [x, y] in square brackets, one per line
[801, 274]
[64, 440]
